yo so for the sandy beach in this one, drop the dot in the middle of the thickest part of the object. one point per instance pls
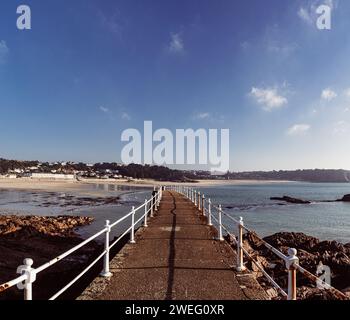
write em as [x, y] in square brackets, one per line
[52, 185]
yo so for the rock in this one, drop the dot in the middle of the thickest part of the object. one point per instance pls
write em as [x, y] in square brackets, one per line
[311, 252]
[346, 198]
[55, 226]
[292, 240]
[43, 239]
[290, 200]
[346, 291]
[272, 293]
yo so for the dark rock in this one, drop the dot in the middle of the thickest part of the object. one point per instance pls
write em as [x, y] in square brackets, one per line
[292, 240]
[290, 200]
[346, 198]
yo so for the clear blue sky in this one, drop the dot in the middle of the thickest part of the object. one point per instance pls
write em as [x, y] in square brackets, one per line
[89, 69]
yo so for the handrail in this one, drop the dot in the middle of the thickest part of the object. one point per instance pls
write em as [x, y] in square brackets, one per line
[291, 261]
[28, 274]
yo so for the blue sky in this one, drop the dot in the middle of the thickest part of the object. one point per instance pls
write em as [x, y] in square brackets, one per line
[89, 69]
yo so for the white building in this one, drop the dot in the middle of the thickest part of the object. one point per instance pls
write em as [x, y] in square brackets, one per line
[51, 176]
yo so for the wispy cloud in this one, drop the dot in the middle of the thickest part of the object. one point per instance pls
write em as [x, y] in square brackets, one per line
[176, 45]
[104, 109]
[269, 98]
[281, 48]
[202, 115]
[328, 94]
[125, 116]
[306, 15]
[298, 129]
[113, 22]
[4, 51]
[341, 127]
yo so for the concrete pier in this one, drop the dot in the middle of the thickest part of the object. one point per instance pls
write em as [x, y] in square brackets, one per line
[177, 257]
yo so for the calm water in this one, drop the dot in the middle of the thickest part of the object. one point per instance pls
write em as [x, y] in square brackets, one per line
[327, 221]
[22, 202]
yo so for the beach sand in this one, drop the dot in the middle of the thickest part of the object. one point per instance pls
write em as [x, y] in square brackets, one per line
[65, 186]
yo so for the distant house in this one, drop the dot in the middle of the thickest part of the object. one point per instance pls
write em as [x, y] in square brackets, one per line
[51, 176]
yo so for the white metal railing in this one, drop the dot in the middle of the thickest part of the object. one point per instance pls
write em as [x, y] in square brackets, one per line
[206, 207]
[28, 274]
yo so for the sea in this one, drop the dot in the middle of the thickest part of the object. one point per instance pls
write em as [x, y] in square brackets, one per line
[324, 220]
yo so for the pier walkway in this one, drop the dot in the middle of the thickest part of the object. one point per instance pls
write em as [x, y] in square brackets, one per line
[177, 258]
[175, 253]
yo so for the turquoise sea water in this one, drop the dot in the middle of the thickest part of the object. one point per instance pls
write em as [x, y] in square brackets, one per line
[327, 221]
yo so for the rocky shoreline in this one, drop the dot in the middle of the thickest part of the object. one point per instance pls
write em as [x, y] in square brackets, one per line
[42, 239]
[311, 252]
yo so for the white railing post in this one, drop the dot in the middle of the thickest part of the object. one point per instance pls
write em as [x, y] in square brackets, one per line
[146, 213]
[199, 201]
[105, 272]
[203, 204]
[209, 213]
[292, 260]
[132, 234]
[221, 238]
[152, 207]
[195, 198]
[27, 270]
[240, 264]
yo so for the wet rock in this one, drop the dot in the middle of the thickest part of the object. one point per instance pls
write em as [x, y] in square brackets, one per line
[346, 198]
[290, 200]
[54, 226]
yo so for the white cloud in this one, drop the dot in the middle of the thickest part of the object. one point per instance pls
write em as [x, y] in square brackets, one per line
[269, 98]
[328, 94]
[298, 129]
[305, 15]
[4, 51]
[176, 44]
[113, 22]
[125, 116]
[202, 115]
[282, 48]
[103, 109]
[347, 93]
[341, 127]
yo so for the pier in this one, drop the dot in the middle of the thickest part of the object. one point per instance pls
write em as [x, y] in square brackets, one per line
[180, 248]
[177, 257]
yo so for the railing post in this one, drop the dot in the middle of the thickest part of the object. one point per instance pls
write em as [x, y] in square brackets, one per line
[203, 204]
[145, 224]
[105, 272]
[199, 201]
[31, 277]
[209, 213]
[221, 238]
[292, 260]
[240, 264]
[195, 198]
[132, 234]
[152, 204]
